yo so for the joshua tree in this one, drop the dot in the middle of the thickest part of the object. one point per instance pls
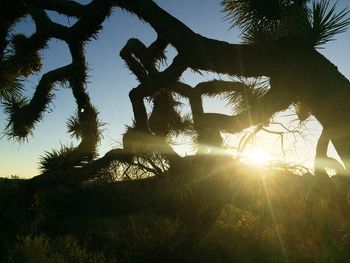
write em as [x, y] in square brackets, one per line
[280, 42]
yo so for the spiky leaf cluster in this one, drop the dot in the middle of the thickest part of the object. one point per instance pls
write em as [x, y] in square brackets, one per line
[326, 22]
[262, 21]
[256, 17]
[23, 115]
[19, 125]
[84, 123]
[17, 64]
[62, 159]
[245, 99]
[28, 62]
[10, 87]
[165, 118]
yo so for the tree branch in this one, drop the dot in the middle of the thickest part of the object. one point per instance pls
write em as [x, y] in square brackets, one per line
[23, 118]
[272, 102]
[201, 53]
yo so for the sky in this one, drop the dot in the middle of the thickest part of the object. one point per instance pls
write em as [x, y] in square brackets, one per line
[110, 82]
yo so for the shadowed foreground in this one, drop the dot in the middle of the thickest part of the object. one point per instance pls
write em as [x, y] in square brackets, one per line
[206, 210]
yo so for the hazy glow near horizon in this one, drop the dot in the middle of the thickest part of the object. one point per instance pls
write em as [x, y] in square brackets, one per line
[110, 82]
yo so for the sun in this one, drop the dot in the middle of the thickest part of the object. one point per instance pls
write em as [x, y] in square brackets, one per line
[258, 156]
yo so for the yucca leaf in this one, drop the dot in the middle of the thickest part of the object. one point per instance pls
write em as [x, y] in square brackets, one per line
[61, 159]
[265, 20]
[262, 21]
[84, 122]
[10, 87]
[17, 127]
[327, 22]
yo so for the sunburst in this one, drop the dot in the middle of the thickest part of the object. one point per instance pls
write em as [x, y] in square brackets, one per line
[258, 156]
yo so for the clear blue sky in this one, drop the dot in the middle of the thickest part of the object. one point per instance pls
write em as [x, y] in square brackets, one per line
[110, 81]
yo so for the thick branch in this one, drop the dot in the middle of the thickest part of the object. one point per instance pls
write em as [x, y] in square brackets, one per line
[87, 114]
[168, 27]
[202, 53]
[209, 88]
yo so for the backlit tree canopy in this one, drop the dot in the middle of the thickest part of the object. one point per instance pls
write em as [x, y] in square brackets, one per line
[281, 38]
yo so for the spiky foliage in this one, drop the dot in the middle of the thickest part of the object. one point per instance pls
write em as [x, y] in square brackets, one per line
[28, 62]
[165, 118]
[68, 157]
[10, 87]
[240, 101]
[11, 84]
[64, 158]
[326, 22]
[10, 13]
[23, 115]
[262, 21]
[17, 64]
[85, 125]
[74, 126]
[18, 127]
[79, 126]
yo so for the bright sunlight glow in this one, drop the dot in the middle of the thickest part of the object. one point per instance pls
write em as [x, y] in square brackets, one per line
[258, 156]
